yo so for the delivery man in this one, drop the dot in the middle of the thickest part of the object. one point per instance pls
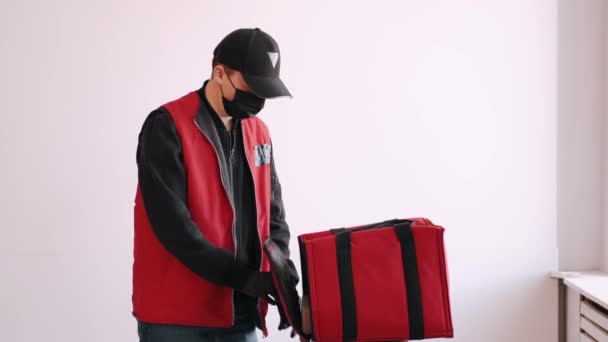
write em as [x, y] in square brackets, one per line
[207, 200]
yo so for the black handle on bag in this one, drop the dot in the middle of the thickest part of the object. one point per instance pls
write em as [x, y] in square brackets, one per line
[386, 223]
[404, 234]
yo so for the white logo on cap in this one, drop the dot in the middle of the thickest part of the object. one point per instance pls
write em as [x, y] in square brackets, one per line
[274, 57]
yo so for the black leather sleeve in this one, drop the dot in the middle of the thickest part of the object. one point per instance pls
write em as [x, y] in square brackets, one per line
[163, 185]
[279, 229]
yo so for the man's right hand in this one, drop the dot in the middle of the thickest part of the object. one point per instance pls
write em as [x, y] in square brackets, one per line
[260, 284]
[302, 338]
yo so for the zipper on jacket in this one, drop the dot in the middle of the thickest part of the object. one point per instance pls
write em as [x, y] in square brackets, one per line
[231, 174]
[231, 158]
[233, 211]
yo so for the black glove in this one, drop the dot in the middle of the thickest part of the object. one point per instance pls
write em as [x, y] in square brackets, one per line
[260, 284]
[284, 322]
[294, 278]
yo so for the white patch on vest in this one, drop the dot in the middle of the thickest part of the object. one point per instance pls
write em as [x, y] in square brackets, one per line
[262, 154]
[274, 57]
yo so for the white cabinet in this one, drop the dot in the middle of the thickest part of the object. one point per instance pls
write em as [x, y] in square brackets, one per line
[583, 306]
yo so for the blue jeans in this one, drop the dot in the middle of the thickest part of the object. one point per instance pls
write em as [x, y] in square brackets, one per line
[152, 332]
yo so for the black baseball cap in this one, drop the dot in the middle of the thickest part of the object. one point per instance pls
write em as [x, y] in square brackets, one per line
[256, 55]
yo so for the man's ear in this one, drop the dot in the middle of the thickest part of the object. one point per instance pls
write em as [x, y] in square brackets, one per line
[218, 73]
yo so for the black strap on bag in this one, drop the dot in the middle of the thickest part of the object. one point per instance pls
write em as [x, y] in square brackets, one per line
[412, 280]
[382, 224]
[347, 290]
[410, 270]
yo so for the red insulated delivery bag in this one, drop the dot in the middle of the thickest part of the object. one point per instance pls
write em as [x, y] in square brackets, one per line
[385, 281]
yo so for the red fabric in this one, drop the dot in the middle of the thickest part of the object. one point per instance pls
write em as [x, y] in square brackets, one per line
[165, 290]
[379, 283]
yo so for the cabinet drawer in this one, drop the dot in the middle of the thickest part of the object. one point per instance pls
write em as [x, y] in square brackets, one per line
[586, 338]
[594, 314]
[593, 330]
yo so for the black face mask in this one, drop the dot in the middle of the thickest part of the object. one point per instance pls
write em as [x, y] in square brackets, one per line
[243, 104]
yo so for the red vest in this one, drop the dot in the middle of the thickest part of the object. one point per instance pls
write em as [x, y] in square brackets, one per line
[164, 289]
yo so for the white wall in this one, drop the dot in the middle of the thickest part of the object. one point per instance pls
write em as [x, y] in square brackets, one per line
[444, 109]
[580, 134]
[605, 141]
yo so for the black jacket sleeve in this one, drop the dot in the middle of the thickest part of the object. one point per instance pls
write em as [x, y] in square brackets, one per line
[279, 229]
[163, 185]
